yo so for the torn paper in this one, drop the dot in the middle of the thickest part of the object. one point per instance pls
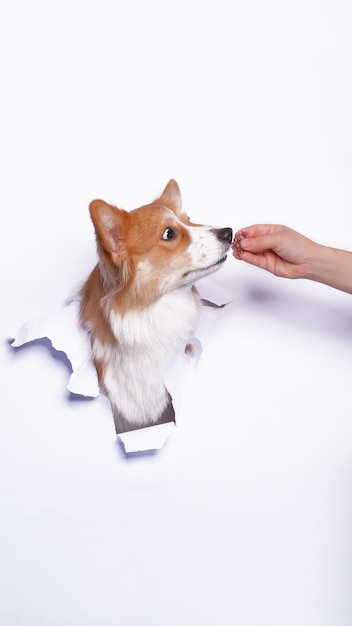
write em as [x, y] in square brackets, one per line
[63, 330]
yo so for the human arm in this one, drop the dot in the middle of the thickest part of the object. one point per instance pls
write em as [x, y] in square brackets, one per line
[286, 253]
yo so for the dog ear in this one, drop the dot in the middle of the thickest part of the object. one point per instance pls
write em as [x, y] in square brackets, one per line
[108, 223]
[171, 197]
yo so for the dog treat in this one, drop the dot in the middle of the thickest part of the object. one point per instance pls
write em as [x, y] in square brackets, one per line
[236, 244]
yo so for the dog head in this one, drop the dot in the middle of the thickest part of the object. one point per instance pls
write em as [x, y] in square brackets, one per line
[155, 249]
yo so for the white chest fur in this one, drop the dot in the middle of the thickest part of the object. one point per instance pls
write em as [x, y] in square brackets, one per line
[147, 339]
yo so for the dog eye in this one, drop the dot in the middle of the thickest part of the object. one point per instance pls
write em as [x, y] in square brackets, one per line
[168, 234]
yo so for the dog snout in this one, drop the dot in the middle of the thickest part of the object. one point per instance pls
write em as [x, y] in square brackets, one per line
[223, 234]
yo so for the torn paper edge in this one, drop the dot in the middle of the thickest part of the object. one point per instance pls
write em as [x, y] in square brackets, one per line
[65, 334]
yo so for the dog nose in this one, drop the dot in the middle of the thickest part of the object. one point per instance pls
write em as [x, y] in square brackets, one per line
[224, 234]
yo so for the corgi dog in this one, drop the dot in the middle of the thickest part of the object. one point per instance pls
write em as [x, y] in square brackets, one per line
[140, 303]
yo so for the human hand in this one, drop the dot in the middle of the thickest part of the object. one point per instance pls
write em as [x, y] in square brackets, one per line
[275, 248]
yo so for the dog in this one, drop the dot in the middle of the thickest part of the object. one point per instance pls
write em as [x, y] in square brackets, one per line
[140, 301]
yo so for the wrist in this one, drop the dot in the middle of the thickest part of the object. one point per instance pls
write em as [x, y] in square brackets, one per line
[331, 266]
[317, 265]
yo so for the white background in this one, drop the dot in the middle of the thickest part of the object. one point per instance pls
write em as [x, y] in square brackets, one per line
[244, 517]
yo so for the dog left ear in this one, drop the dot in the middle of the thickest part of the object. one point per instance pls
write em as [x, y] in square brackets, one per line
[171, 196]
[108, 222]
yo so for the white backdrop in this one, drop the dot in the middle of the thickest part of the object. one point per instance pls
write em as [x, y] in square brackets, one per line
[244, 517]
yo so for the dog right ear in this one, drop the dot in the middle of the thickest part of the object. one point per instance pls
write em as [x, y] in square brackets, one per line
[108, 223]
[172, 198]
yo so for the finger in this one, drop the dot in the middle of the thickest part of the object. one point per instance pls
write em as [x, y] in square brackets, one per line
[256, 230]
[258, 260]
[260, 244]
[256, 238]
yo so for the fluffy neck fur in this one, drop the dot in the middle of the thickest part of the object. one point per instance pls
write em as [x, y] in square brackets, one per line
[133, 365]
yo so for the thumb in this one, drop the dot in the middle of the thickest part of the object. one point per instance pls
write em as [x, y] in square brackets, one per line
[259, 244]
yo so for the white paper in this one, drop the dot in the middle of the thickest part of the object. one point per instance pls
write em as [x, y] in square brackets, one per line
[63, 330]
[149, 438]
[65, 334]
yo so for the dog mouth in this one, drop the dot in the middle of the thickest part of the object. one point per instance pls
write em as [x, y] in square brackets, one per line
[208, 267]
